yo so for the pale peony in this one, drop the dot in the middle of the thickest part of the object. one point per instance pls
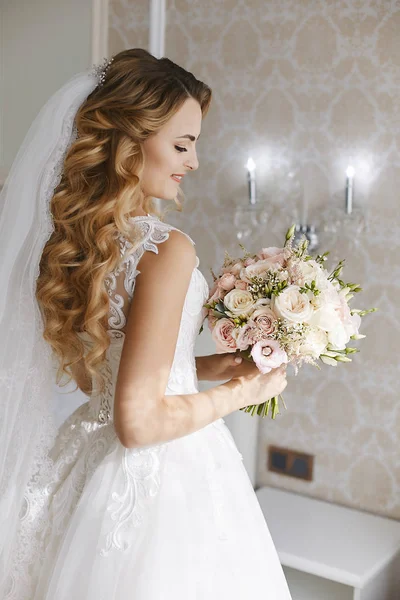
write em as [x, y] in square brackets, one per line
[239, 302]
[245, 335]
[222, 336]
[268, 355]
[314, 344]
[227, 282]
[292, 305]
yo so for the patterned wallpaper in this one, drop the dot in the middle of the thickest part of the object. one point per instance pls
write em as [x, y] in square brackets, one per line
[304, 87]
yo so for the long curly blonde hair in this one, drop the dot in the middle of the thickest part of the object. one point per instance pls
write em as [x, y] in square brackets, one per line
[100, 187]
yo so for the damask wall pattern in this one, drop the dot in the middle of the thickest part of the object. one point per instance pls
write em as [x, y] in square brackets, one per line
[305, 87]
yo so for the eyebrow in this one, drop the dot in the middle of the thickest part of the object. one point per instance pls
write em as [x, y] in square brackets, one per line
[188, 136]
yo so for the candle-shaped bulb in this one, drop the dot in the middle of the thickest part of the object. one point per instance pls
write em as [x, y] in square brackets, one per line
[350, 172]
[251, 179]
[251, 165]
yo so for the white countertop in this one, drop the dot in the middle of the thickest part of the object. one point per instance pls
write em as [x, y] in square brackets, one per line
[328, 540]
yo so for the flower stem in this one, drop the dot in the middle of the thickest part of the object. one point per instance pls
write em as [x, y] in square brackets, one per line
[262, 410]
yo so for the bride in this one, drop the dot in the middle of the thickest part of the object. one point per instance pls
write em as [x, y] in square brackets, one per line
[141, 493]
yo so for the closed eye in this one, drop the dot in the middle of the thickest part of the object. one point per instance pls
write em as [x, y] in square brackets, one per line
[180, 149]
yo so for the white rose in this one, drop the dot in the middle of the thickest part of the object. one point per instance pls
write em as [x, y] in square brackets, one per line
[292, 305]
[239, 302]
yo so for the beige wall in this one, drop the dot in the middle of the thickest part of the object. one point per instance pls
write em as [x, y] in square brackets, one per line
[305, 87]
[42, 44]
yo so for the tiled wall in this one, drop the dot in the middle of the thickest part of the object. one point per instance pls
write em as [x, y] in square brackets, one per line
[305, 87]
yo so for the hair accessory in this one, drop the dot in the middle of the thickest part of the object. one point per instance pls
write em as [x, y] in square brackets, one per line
[100, 70]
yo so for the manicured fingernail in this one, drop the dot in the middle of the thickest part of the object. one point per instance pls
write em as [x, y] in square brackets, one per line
[238, 360]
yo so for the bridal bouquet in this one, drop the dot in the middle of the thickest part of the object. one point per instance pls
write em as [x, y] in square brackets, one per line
[282, 306]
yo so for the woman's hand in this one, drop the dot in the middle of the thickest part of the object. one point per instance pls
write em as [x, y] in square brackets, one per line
[222, 367]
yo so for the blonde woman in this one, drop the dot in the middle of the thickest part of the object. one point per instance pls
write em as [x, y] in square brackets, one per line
[141, 494]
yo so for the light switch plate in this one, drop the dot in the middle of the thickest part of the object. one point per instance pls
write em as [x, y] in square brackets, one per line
[290, 462]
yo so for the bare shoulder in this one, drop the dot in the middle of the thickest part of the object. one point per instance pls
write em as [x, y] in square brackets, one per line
[175, 252]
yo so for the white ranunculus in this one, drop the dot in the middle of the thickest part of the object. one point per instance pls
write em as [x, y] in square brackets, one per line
[292, 305]
[239, 302]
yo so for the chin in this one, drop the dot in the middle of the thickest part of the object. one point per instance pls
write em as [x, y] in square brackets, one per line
[165, 194]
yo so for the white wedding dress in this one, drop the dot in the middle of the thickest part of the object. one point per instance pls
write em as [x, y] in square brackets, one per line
[175, 521]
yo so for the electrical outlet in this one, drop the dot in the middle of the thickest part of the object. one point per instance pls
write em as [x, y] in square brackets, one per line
[290, 462]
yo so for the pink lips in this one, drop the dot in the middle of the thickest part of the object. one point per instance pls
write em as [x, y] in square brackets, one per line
[178, 178]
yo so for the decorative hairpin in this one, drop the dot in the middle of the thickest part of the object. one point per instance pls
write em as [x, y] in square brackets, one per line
[100, 70]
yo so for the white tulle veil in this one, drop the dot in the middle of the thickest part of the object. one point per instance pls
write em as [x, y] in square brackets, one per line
[27, 367]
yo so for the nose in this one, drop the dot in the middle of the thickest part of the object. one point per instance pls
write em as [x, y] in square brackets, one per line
[192, 161]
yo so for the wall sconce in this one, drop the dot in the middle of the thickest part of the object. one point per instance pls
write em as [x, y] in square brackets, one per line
[332, 221]
[348, 222]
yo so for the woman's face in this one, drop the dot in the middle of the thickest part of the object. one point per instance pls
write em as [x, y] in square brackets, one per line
[170, 153]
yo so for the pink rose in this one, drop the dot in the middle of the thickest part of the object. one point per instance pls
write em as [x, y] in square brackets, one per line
[268, 355]
[227, 282]
[222, 336]
[244, 335]
[240, 285]
[265, 320]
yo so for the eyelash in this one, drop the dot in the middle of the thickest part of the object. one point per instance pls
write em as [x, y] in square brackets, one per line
[180, 149]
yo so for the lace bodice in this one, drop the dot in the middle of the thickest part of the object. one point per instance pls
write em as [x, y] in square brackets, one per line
[120, 285]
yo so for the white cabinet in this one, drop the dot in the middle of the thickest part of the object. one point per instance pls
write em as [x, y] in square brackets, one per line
[330, 552]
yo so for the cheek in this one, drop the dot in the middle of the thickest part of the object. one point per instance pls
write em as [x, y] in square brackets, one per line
[156, 179]
[159, 159]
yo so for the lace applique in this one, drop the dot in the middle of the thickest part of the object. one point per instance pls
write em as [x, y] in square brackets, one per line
[141, 482]
[154, 232]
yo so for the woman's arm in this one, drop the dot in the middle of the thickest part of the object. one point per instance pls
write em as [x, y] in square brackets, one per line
[143, 414]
